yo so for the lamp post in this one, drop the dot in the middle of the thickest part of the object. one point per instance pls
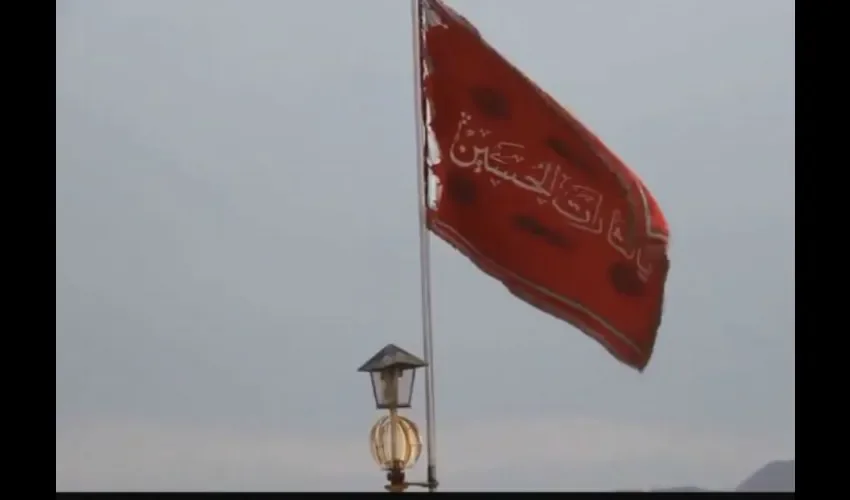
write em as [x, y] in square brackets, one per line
[395, 440]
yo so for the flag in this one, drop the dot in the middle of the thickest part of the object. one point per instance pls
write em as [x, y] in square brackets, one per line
[535, 199]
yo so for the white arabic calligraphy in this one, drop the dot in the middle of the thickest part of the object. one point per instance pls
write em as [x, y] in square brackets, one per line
[580, 206]
[644, 269]
[485, 158]
[583, 207]
[615, 235]
[618, 242]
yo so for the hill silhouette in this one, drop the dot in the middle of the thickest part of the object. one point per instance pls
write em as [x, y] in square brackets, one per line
[776, 476]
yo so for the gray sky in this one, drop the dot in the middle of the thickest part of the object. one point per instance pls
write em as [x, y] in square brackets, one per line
[236, 232]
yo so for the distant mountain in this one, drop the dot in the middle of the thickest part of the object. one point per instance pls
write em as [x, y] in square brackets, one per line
[775, 476]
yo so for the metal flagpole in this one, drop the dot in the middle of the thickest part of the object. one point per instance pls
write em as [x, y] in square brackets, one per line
[424, 246]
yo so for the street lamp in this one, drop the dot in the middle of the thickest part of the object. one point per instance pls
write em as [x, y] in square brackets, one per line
[394, 439]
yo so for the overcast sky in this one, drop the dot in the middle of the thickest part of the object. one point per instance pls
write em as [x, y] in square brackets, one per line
[236, 232]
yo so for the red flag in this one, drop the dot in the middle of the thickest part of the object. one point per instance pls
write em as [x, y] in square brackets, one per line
[534, 199]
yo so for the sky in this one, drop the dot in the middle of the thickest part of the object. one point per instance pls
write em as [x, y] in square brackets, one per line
[236, 233]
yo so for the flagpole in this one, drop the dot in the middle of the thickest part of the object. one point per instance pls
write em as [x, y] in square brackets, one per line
[424, 247]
